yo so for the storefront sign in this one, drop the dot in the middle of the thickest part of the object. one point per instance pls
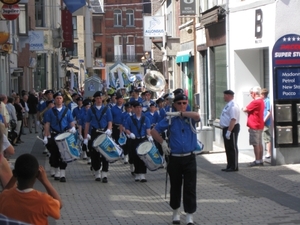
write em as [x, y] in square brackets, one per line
[187, 7]
[154, 26]
[10, 12]
[9, 2]
[36, 40]
[288, 83]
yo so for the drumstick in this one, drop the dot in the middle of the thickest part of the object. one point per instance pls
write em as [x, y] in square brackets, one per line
[39, 138]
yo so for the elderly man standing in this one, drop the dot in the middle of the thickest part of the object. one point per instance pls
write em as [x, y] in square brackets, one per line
[255, 122]
[229, 121]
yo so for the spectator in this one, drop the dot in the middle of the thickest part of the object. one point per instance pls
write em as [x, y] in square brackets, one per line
[7, 149]
[255, 123]
[12, 134]
[4, 113]
[267, 120]
[28, 204]
[5, 171]
[24, 104]
[19, 111]
[32, 113]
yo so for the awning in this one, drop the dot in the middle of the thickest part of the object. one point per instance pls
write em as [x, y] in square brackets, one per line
[183, 56]
[73, 5]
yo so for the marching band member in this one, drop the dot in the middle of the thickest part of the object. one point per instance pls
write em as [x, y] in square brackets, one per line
[81, 125]
[116, 112]
[147, 101]
[100, 119]
[57, 120]
[182, 167]
[77, 109]
[161, 109]
[179, 91]
[135, 96]
[73, 104]
[138, 129]
[126, 147]
[167, 102]
[152, 114]
[113, 100]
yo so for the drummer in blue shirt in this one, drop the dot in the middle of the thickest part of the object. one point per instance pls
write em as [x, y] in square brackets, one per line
[135, 96]
[138, 129]
[100, 119]
[57, 120]
[126, 147]
[116, 112]
[182, 166]
[161, 109]
[152, 114]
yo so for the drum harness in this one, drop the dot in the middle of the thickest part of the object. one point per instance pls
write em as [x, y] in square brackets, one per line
[136, 125]
[53, 131]
[99, 130]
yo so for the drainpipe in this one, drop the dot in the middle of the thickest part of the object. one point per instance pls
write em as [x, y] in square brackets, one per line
[227, 46]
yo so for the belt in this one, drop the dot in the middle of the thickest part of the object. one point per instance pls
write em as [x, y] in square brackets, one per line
[182, 155]
[140, 137]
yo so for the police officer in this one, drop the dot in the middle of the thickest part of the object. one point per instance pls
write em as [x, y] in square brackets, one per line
[100, 119]
[182, 166]
[116, 112]
[138, 129]
[229, 121]
[57, 120]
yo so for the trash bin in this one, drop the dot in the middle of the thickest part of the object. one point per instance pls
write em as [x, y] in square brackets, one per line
[206, 136]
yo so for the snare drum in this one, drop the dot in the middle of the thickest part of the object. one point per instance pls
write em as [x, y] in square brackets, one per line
[108, 148]
[200, 148]
[68, 148]
[150, 155]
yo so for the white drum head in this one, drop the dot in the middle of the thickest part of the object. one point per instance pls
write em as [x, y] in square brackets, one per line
[62, 136]
[144, 148]
[99, 139]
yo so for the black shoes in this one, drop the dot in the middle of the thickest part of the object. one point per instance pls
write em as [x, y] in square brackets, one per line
[98, 179]
[229, 170]
[104, 180]
[62, 179]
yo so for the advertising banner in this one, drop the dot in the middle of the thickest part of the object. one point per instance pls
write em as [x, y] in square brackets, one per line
[187, 7]
[154, 26]
[36, 40]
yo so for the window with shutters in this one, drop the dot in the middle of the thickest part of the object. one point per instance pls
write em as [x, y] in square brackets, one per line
[118, 48]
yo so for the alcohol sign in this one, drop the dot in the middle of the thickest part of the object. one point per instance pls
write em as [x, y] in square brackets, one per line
[10, 12]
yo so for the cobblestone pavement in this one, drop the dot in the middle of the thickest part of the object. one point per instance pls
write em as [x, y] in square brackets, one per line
[261, 195]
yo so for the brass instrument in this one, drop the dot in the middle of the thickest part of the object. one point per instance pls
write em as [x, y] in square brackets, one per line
[154, 81]
[67, 97]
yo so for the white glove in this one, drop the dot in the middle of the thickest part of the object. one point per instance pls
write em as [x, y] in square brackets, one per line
[80, 137]
[227, 135]
[72, 130]
[45, 140]
[173, 113]
[85, 141]
[37, 123]
[132, 136]
[88, 137]
[150, 138]
[108, 132]
[165, 148]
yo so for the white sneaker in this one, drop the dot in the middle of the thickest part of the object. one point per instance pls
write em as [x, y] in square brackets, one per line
[189, 218]
[137, 177]
[84, 156]
[176, 216]
[126, 159]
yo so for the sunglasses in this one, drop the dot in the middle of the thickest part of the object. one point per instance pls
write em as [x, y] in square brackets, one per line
[181, 103]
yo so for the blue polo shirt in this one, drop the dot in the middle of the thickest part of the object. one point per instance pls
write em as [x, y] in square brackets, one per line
[93, 120]
[50, 117]
[116, 112]
[182, 139]
[266, 109]
[129, 125]
[154, 118]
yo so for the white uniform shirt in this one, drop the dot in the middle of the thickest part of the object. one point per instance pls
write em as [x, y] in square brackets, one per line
[230, 111]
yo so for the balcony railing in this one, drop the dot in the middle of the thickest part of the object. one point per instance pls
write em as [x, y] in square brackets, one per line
[122, 58]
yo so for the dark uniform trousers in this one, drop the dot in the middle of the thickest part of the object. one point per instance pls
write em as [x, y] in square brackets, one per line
[126, 149]
[96, 158]
[115, 133]
[139, 165]
[183, 169]
[231, 147]
[84, 148]
[55, 159]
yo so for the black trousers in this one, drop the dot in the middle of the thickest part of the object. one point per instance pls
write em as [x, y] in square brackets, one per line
[139, 165]
[115, 133]
[97, 160]
[55, 159]
[231, 148]
[183, 173]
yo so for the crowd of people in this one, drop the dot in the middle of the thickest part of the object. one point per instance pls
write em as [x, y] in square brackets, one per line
[166, 122]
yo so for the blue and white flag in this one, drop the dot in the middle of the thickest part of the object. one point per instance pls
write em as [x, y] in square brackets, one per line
[74, 5]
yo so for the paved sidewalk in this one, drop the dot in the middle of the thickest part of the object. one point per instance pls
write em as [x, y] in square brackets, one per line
[262, 195]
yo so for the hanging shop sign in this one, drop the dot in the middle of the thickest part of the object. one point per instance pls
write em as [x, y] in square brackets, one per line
[10, 12]
[10, 2]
